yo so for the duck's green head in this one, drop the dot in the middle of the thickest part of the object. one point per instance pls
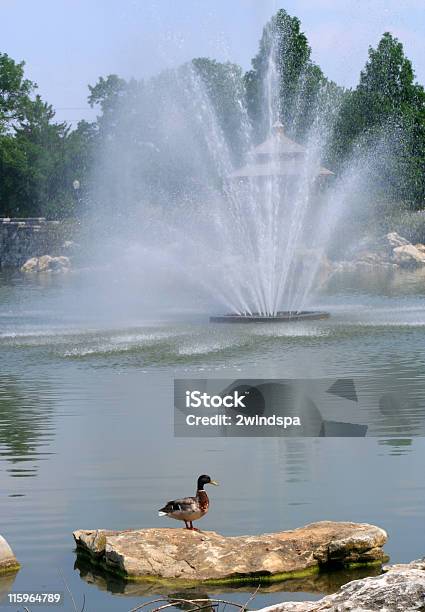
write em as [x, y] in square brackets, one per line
[203, 480]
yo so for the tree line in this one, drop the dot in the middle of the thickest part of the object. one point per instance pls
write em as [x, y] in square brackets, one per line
[47, 168]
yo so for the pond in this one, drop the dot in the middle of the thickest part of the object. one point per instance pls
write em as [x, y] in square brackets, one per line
[86, 427]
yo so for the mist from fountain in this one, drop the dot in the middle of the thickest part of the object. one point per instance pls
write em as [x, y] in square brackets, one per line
[210, 242]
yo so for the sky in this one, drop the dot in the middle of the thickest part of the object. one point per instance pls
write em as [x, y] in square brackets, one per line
[68, 44]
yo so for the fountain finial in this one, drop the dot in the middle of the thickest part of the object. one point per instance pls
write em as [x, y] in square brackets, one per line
[278, 127]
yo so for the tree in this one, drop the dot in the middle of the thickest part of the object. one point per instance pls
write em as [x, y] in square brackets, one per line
[15, 92]
[224, 87]
[387, 109]
[387, 81]
[80, 151]
[284, 84]
[41, 145]
[107, 94]
[39, 157]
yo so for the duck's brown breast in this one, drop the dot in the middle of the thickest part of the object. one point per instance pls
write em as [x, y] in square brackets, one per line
[203, 500]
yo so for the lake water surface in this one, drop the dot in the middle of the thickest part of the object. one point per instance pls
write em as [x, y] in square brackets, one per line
[86, 427]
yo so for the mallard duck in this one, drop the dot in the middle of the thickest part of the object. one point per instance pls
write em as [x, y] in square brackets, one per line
[190, 509]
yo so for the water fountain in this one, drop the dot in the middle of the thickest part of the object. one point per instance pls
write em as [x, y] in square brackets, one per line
[239, 238]
[273, 174]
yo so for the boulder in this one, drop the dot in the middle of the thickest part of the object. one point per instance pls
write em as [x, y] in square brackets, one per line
[400, 589]
[31, 265]
[208, 556]
[8, 562]
[408, 255]
[47, 263]
[395, 240]
[403, 252]
[389, 251]
[418, 564]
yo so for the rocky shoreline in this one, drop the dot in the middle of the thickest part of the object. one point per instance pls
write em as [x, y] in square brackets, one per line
[34, 245]
[401, 588]
[392, 251]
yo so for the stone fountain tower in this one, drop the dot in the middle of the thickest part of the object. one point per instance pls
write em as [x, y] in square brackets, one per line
[278, 156]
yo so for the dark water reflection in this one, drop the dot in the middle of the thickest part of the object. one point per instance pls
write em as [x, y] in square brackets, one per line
[25, 423]
[86, 432]
[322, 583]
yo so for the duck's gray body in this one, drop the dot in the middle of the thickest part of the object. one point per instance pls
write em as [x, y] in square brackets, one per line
[189, 509]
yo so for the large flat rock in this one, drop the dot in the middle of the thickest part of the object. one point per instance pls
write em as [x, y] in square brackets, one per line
[400, 589]
[208, 556]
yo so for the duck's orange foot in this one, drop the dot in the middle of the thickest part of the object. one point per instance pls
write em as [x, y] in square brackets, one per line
[192, 528]
[189, 525]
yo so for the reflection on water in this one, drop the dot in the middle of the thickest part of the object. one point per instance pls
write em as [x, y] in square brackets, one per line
[6, 585]
[398, 447]
[86, 408]
[25, 424]
[383, 282]
[321, 583]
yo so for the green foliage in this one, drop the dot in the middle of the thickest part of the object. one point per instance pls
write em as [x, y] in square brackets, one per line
[387, 81]
[225, 89]
[39, 158]
[14, 92]
[150, 136]
[283, 56]
[155, 136]
[284, 78]
[107, 94]
[409, 224]
[387, 107]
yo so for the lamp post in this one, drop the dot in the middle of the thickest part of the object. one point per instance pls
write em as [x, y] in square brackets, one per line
[76, 186]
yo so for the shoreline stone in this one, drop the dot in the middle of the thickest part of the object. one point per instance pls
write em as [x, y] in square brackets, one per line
[408, 255]
[178, 554]
[8, 561]
[47, 263]
[401, 588]
[392, 251]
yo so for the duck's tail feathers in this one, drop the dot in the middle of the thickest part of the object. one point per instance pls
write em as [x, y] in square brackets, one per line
[161, 513]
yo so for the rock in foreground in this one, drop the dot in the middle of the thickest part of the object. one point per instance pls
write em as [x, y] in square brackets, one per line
[400, 589]
[192, 556]
[8, 562]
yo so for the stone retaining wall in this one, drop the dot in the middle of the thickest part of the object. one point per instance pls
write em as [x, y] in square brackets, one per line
[21, 239]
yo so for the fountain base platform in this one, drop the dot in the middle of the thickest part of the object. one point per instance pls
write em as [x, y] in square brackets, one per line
[284, 316]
